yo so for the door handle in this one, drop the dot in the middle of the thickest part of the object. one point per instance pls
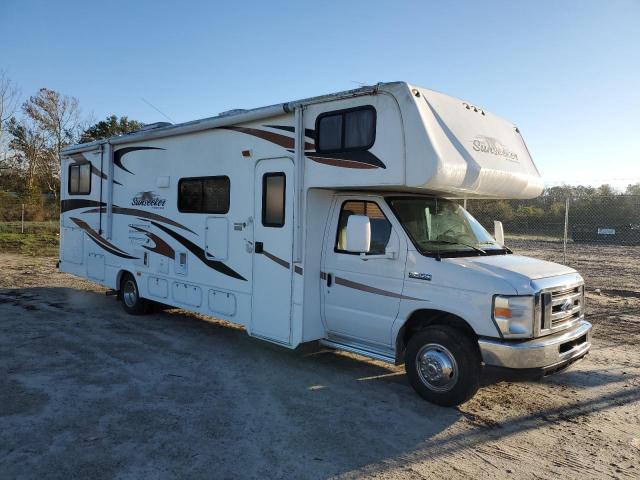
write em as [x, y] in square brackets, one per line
[259, 247]
[329, 279]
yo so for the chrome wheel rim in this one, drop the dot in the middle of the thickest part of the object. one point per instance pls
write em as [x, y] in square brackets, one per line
[129, 293]
[437, 367]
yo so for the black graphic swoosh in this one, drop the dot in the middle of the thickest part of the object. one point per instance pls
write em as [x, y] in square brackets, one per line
[308, 132]
[199, 252]
[79, 158]
[356, 159]
[121, 152]
[134, 212]
[101, 242]
[75, 203]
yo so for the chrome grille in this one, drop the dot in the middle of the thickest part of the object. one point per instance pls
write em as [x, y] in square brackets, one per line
[561, 308]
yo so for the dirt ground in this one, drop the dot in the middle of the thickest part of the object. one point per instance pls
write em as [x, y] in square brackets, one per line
[87, 391]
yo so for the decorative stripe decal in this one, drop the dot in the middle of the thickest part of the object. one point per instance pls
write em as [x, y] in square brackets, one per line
[79, 158]
[281, 140]
[141, 213]
[109, 247]
[308, 132]
[118, 154]
[366, 288]
[161, 247]
[340, 163]
[199, 252]
[355, 159]
[296, 268]
[278, 260]
[75, 203]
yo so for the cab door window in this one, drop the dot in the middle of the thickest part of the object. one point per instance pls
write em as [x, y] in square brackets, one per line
[380, 226]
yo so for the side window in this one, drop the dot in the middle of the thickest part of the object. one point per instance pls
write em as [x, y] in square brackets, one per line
[380, 226]
[273, 199]
[204, 195]
[346, 130]
[79, 179]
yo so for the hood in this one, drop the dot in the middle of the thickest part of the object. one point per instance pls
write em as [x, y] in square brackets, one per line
[519, 271]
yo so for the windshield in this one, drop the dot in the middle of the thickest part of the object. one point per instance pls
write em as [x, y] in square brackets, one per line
[438, 226]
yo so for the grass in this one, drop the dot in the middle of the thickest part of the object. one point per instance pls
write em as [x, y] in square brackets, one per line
[533, 238]
[43, 244]
[51, 226]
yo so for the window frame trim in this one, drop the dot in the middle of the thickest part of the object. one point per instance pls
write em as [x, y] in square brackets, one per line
[264, 199]
[335, 243]
[343, 113]
[201, 179]
[79, 164]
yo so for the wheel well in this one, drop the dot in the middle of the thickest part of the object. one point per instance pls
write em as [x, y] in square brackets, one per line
[421, 319]
[121, 274]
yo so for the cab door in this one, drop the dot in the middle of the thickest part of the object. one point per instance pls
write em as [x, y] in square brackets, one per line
[361, 294]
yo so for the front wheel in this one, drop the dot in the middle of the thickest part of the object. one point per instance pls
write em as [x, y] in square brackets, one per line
[443, 365]
[130, 296]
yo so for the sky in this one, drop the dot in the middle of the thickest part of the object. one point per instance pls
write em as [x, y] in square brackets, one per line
[566, 72]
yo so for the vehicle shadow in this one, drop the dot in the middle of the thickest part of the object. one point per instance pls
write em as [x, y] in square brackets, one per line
[196, 396]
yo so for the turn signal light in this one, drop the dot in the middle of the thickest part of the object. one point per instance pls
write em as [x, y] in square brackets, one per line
[502, 312]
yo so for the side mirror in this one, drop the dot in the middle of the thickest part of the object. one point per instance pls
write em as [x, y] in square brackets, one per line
[498, 232]
[358, 234]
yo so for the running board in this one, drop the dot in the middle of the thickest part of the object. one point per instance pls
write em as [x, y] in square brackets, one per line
[358, 350]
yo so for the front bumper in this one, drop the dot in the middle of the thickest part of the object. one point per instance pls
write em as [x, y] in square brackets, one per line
[546, 354]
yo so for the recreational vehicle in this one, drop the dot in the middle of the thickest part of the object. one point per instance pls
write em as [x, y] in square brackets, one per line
[335, 219]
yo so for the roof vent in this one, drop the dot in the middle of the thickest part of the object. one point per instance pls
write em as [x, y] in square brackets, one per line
[152, 126]
[235, 111]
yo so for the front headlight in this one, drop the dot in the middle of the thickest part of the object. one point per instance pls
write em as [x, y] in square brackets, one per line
[514, 315]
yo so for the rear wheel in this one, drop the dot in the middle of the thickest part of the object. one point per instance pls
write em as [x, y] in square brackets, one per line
[130, 296]
[443, 365]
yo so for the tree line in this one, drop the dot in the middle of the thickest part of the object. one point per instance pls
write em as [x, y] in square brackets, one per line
[601, 206]
[34, 131]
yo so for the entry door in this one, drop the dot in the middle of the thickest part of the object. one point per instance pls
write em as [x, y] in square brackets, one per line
[362, 296]
[273, 250]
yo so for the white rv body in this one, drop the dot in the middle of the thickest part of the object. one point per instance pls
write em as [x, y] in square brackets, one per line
[285, 281]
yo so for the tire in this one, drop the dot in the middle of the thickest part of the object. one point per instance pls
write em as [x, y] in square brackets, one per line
[130, 296]
[450, 373]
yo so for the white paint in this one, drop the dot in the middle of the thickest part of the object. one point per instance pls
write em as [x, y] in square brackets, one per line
[428, 144]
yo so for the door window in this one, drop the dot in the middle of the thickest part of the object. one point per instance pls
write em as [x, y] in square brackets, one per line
[273, 199]
[380, 226]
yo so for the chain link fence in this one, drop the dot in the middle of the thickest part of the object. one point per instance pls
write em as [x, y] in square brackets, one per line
[597, 235]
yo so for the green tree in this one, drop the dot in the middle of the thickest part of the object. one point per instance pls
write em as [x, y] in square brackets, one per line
[633, 189]
[110, 127]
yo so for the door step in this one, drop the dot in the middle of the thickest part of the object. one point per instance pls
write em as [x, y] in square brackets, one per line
[354, 348]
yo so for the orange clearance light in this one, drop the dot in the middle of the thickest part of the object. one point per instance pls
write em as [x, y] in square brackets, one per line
[502, 312]
[246, 153]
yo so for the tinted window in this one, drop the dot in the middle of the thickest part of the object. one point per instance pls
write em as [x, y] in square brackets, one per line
[352, 129]
[273, 199]
[204, 195]
[80, 179]
[359, 128]
[380, 226]
[330, 132]
[215, 194]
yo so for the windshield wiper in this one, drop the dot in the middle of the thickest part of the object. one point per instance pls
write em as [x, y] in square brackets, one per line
[449, 242]
[502, 247]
